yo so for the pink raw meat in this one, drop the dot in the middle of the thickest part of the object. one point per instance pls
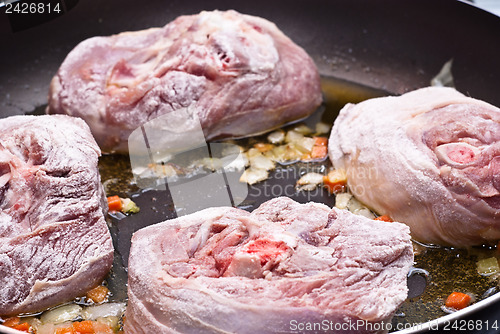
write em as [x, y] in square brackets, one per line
[240, 74]
[429, 158]
[54, 242]
[224, 270]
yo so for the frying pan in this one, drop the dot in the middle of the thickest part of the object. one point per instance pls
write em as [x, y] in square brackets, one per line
[389, 45]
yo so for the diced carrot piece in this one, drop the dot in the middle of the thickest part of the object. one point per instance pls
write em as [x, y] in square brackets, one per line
[24, 327]
[100, 328]
[335, 181]
[84, 327]
[320, 141]
[319, 152]
[65, 330]
[458, 300]
[11, 322]
[384, 218]
[114, 203]
[98, 294]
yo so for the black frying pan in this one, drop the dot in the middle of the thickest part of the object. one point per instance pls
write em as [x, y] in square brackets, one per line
[390, 45]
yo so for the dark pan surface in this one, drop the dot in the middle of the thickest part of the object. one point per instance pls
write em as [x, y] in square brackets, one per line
[389, 45]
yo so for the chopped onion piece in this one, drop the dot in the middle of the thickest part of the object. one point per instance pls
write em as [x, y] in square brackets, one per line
[271, 155]
[263, 147]
[159, 170]
[279, 153]
[276, 137]
[237, 164]
[309, 181]
[129, 206]
[354, 205]
[61, 314]
[253, 152]
[349, 202]
[253, 175]
[45, 329]
[364, 212]
[305, 145]
[302, 129]
[232, 149]
[488, 266]
[444, 78]
[310, 178]
[292, 153]
[341, 200]
[142, 173]
[212, 164]
[261, 162]
[307, 187]
[293, 136]
[103, 311]
[113, 322]
[322, 128]
[166, 170]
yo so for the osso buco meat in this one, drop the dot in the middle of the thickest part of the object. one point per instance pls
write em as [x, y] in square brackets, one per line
[238, 73]
[429, 158]
[280, 269]
[54, 241]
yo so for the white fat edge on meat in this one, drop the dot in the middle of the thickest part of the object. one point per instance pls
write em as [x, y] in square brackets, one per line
[442, 153]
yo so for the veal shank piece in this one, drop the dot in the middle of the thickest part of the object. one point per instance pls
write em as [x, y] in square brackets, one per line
[54, 241]
[224, 270]
[429, 158]
[240, 74]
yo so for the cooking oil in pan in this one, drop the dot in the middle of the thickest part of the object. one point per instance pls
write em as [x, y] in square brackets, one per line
[337, 93]
[438, 272]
